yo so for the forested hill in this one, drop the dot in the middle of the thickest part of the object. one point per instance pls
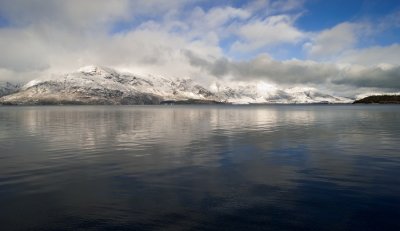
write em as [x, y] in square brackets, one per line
[380, 99]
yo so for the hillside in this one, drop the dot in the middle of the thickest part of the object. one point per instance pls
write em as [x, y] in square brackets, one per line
[379, 99]
[7, 88]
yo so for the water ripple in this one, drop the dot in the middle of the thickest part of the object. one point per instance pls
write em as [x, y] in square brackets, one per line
[200, 167]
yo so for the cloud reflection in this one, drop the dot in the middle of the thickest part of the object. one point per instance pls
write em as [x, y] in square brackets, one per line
[197, 166]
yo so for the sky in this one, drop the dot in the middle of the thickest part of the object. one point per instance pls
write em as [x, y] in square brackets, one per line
[346, 47]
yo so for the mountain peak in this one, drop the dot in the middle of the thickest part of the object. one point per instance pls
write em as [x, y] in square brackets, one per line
[96, 70]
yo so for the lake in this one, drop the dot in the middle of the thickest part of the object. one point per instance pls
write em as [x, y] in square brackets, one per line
[264, 167]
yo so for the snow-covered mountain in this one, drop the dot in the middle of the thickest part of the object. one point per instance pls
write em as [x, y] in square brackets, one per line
[7, 88]
[100, 85]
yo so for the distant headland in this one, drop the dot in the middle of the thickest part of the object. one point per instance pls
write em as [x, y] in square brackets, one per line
[379, 99]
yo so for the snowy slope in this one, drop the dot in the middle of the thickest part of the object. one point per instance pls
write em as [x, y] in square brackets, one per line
[101, 85]
[7, 88]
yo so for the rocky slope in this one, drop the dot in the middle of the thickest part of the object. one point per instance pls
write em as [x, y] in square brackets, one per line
[100, 85]
[7, 88]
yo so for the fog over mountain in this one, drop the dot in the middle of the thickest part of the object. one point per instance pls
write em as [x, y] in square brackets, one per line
[281, 43]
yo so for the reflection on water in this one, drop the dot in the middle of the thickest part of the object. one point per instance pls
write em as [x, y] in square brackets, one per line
[200, 167]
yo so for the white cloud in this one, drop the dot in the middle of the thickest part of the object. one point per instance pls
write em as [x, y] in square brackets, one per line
[209, 26]
[390, 21]
[270, 31]
[373, 56]
[287, 5]
[55, 36]
[269, 7]
[333, 41]
[301, 72]
[216, 17]
[69, 15]
[22, 50]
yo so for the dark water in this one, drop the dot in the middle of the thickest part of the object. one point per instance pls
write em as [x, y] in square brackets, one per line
[200, 168]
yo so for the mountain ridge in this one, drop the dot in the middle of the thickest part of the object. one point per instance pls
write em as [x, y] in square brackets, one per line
[102, 85]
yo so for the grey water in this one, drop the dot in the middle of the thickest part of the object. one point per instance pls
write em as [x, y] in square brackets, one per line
[311, 167]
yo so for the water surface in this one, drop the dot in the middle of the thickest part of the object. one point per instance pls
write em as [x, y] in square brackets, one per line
[200, 168]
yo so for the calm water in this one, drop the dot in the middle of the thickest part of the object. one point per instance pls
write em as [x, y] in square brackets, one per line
[200, 168]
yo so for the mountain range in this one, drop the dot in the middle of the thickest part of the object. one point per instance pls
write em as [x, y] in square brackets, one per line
[101, 85]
